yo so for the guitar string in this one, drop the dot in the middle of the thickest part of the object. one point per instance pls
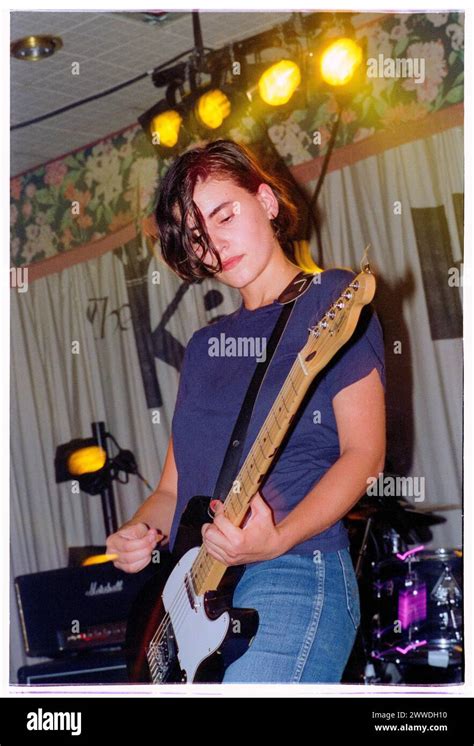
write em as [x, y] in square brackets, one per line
[178, 607]
[176, 610]
[177, 604]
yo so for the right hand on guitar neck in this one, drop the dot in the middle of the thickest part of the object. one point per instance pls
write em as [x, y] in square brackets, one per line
[133, 545]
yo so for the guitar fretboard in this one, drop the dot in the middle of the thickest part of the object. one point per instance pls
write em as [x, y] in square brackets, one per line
[332, 331]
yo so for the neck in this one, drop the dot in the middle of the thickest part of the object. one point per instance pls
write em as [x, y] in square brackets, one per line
[269, 283]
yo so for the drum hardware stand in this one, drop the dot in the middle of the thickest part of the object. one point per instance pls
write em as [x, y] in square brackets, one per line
[363, 547]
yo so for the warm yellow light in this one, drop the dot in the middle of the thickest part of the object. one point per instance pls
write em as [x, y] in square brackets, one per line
[165, 128]
[277, 84]
[339, 61]
[98, 559]
[212, 108]
[86, 460]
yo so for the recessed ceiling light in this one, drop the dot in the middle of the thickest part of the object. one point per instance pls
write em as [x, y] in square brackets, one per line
[33, 48]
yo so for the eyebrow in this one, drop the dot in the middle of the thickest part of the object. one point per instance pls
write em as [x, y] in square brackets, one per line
[219, 207]
[214, 211]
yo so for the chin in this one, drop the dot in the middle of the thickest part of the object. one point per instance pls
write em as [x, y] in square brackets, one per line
[239, 279]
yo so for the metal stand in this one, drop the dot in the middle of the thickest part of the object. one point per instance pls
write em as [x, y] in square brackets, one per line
[107, 495]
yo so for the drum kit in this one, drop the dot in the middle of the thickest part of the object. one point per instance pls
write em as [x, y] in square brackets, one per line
[411, 629]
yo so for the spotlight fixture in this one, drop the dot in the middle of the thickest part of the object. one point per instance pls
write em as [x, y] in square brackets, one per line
[192, 108]
[276, 71]
[86, 460]
[34, 48]
[164, 127]
[339, 62]
[212, 108]
[279, 82]
[215, 107]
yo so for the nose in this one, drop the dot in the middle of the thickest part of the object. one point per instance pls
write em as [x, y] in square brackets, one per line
[222, 248]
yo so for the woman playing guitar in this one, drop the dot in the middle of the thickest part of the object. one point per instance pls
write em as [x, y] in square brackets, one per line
[221, 215]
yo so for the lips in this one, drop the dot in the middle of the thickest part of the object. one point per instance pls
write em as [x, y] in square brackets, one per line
[230, 263]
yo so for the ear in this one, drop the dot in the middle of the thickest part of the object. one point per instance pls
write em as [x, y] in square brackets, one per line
[266, 197]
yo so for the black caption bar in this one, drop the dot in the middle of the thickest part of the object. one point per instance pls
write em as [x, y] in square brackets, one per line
[325, 720]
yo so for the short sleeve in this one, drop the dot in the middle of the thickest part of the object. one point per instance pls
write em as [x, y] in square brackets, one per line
[363, 352]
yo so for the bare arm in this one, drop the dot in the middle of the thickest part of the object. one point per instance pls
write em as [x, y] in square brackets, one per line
[158, 509]
[360, 416]
[134, 542]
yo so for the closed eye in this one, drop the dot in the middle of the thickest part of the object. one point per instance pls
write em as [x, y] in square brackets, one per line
[226, 219]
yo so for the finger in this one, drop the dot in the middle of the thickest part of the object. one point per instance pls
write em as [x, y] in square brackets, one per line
[226, 526]
[212, 534]
[121, 544]
[136, 531]
[218, 543]
[135, 567]
[217, 554]
[217, 506]
[121, 566]
[128, 558]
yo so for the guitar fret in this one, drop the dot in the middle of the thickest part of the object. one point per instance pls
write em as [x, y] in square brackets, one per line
[284, 402]
[290, 377]
[254, 457]
[236, 496]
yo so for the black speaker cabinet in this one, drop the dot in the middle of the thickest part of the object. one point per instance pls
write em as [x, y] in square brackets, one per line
[105, 667]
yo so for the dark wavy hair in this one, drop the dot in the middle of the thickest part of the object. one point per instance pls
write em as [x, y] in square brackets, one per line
[222, 159]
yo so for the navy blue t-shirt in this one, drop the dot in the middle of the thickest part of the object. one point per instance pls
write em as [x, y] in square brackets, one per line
[212, 388]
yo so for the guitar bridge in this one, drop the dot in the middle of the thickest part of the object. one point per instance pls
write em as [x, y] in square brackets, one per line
[160, 655]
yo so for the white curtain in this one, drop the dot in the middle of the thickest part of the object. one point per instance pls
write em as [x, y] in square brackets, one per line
[56, 394]
[424, 386]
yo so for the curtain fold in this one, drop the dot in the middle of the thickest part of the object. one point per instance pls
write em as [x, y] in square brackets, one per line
[361, 204]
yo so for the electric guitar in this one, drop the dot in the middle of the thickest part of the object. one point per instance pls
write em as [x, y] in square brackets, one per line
[182, 627]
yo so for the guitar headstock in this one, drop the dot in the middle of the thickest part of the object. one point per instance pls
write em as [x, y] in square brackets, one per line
[333, 329]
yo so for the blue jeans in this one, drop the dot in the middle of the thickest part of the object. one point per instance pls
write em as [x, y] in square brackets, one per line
[309, 613]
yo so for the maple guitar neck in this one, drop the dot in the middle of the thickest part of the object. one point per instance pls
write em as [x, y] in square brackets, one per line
[324, 340]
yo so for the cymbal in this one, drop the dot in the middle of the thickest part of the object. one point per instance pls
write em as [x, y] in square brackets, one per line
[364, 510]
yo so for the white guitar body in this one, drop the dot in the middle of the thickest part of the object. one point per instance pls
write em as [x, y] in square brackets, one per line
[196, 635]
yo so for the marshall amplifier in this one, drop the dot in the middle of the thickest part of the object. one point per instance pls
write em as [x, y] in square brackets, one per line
[77, 608]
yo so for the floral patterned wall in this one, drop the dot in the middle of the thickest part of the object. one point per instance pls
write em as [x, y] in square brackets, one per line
[115, 180]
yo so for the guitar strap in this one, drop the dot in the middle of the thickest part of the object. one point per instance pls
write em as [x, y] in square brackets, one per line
[298, 285]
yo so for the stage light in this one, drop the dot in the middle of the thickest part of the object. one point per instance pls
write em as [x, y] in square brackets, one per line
[277, 84]
[212, 108]
[164, 128]
[98, 559]
[86, 460]
[339, 61]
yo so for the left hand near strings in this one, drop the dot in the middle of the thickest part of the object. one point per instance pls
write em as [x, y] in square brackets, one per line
[258, 540]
